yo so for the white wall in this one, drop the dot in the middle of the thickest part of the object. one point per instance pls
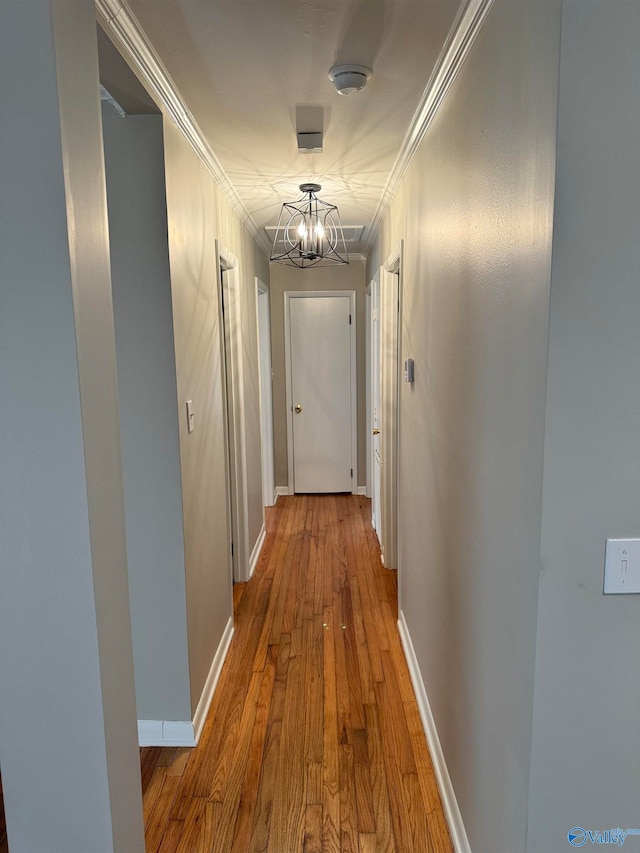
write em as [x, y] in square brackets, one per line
[475, 212]
[586, 739]
[134, 155]
[68, 742]
[347, 277]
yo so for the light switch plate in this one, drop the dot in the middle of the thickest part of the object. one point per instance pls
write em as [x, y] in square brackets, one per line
[622, 566]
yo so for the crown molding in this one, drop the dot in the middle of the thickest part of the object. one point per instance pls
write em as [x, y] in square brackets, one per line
[125, 30]
[461, 36]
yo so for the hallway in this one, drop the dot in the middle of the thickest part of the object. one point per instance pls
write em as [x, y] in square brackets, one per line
[313, 741]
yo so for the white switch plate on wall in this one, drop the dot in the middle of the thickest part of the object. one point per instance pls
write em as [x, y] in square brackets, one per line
[622, 566]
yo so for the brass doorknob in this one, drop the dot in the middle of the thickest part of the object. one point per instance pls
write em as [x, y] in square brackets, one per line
[375, 432]
[297, 409]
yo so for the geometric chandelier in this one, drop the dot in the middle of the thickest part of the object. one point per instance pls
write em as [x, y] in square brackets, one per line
[309, 232]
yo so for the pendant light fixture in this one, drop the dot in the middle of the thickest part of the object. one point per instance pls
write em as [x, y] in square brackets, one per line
[309, 232]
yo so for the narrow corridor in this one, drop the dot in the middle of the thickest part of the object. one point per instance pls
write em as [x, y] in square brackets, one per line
[313, 741]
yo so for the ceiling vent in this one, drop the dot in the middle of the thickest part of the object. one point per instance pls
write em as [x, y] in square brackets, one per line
[309, 143]
[352, 233]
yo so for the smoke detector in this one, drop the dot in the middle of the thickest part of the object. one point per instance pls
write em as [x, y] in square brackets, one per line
[349, 78]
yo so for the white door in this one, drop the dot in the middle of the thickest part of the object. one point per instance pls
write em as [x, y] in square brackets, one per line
[321, 366]
[376, 450]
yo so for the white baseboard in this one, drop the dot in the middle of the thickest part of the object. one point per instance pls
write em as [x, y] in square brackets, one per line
[281, 490]
[187, 733]
[255, 554]
[362, 490]
[212, 679]
[447, 794]
[166, 733]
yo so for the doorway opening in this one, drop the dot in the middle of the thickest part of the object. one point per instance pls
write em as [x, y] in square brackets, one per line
[388, 336]
[231, 342]
[375, 450]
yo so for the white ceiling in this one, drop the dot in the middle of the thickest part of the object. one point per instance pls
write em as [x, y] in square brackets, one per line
[243, 66]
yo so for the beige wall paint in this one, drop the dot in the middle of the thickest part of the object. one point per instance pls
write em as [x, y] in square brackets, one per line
[197, 215]
[348, 277]
[475, 212]
[391, 233]
[586, 734]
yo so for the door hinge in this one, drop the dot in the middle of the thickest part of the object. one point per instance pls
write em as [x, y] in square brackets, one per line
[349, 319]
[352, 473]
[232, 549]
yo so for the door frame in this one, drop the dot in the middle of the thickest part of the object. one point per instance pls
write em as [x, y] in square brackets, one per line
[265, 376]
[373, 358]
[231, 338]
[390, 359]
[368, 344]
[320, 294]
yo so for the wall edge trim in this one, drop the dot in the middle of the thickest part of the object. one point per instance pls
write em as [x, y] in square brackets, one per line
[257, 549]
[456, 47]
[445, 786]
[123, 26]
[165, 733]
[282, 490]
[212, 680]
[362, 490]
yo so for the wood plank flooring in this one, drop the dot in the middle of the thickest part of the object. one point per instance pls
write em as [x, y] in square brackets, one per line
[4, 845]
[313, 742]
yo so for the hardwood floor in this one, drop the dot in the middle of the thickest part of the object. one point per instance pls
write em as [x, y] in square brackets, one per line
[313, 742]
[4, 846]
